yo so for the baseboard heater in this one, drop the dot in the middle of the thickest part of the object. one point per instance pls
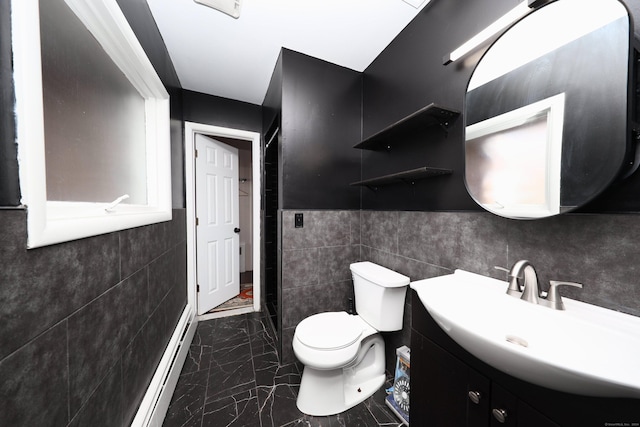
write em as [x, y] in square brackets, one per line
[155, 402]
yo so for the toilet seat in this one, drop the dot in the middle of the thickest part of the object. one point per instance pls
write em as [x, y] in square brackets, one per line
[330, 340]
[329, 331]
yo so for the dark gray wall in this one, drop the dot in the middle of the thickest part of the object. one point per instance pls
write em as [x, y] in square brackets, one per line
[272, 104]
[9, 180]
[86, 322]
[596, 250]
[409, 75]
[315, 274]
[320, 125]
[213, 110]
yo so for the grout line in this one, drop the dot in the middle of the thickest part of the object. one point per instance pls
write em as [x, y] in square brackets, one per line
[68, 373]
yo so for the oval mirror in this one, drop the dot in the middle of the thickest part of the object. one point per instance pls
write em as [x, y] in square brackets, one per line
[547, 109]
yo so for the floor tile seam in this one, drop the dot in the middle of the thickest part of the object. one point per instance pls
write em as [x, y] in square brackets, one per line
[223, 367]
[201, 355]
[226, 350]
[253, 356]
[222, 395]
[204, 397]
[228, 370]
[264, 340]
[368, 408]
[183, 374]
[231, 343]
[225, 353]
[262, 406]
[226, 395]
[263, 330]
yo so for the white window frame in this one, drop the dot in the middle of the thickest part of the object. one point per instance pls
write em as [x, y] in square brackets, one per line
[50, 222]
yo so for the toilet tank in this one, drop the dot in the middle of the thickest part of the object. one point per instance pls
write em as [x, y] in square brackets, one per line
[379, 294]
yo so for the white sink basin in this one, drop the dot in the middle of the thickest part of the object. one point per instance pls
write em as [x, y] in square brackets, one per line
[584, 349]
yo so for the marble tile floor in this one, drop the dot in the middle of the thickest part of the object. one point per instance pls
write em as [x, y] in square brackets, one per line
[232, 377]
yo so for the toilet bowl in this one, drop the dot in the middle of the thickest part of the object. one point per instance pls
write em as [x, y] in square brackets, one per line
[343, 354]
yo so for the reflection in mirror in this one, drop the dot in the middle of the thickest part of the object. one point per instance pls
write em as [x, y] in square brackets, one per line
[514, 160]
[546, 110]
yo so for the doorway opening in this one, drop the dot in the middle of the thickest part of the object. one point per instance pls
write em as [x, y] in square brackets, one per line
[245, 239]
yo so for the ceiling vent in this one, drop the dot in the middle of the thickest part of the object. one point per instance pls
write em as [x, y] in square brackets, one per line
[230, 7]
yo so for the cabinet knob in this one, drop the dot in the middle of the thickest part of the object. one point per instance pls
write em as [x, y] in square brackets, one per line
[474, 396]
[500, 415]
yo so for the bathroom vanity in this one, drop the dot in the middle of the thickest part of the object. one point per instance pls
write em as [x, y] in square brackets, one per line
[451, 387]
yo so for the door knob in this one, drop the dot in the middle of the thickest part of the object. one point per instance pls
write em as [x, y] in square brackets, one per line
[236, 230]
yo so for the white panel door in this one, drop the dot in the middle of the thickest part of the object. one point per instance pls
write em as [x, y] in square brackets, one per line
[217, 239]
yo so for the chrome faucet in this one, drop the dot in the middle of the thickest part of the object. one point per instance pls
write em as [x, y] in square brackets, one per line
[530, 289]
[523, 284]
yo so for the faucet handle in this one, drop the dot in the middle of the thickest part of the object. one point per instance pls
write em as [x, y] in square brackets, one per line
[514, 286]
[554, 299]
[497, 267]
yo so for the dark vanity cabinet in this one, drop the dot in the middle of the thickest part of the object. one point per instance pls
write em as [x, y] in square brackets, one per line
[451, 393]
[451, 388]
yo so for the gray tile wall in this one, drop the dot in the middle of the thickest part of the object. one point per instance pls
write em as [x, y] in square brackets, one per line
[84, 323]
[599, 251]
[315, 267]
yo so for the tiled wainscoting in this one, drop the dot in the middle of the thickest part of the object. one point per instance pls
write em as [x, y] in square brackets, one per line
[233, 377]
[84, 323]
[233, 373]
[315, 267]
[600, 251]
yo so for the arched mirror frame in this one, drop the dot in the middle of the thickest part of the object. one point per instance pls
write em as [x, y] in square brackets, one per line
[586, 72]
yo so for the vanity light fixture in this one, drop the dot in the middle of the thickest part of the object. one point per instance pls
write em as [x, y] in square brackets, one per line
[485, 35]
[230, 7]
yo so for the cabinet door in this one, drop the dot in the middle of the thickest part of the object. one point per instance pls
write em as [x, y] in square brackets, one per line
[479, 399]
[438, 386]
[529, 417]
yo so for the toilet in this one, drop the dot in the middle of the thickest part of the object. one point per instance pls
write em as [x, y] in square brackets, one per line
[343, 354]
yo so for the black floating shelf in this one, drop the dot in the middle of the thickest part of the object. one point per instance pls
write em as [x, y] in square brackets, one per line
[430, 115]
[407, 177]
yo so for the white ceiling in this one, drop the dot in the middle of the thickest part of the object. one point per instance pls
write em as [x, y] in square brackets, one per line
[216, 54]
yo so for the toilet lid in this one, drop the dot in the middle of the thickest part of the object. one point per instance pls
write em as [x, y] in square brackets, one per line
[329, 331]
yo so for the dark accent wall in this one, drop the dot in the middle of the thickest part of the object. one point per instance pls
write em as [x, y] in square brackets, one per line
[409, 75]
[272, 104]
[216, 111]
[85, 322]
[320, 125]
[317, 106]
[9, 180]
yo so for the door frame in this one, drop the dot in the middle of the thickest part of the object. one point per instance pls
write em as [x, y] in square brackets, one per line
[191, 129]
